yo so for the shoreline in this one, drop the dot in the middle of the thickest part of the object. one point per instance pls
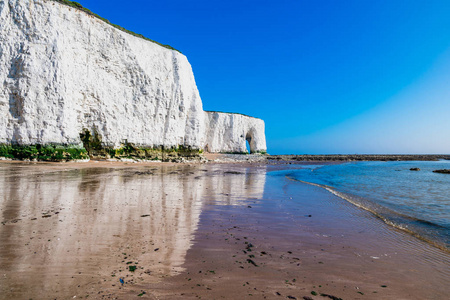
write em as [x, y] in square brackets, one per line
[377, 214]
[250, 158]
[191, 230]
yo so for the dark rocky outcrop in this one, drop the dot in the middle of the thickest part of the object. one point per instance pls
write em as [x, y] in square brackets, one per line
[443, 171]
[359, 157]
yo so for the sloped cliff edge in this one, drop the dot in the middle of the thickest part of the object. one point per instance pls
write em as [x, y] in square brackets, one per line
[71, 80]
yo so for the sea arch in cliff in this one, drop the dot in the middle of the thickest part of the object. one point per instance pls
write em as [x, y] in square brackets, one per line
[249, 137]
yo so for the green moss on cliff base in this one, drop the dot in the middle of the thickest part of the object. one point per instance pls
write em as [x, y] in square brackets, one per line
[66, 153]
[149, 153]
[80, 7]
[43, 153]
[92, 142]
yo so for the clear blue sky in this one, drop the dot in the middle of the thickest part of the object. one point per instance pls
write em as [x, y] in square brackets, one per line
[326, 76]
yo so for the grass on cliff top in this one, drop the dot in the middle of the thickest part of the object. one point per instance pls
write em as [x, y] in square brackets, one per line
[80, 7]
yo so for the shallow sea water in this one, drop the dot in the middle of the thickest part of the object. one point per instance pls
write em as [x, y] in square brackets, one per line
[415, 201]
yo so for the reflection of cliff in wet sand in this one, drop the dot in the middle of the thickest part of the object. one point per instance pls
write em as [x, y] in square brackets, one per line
[207, 230]
[68, 230]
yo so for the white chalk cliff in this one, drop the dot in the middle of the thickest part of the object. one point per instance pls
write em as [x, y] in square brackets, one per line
[63, 71]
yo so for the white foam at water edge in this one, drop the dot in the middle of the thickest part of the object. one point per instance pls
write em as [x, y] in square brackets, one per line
[376, 213]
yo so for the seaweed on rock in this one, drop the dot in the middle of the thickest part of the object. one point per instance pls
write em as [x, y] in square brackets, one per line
[43, 152]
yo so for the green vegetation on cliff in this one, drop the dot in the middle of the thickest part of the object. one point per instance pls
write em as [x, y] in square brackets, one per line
[152, 153]
[93, 148]
[80, 7]
[93, 144]
[43, 153]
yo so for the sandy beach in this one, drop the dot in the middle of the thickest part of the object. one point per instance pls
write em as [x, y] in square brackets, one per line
[191, 231]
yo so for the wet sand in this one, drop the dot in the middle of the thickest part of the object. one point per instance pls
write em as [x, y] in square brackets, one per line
[211, 231]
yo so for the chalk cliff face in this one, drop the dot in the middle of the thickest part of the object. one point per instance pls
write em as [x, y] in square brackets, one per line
[229, 132]
[63, 71]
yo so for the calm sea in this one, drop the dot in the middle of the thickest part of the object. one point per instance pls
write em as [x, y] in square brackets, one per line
[414, 201]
